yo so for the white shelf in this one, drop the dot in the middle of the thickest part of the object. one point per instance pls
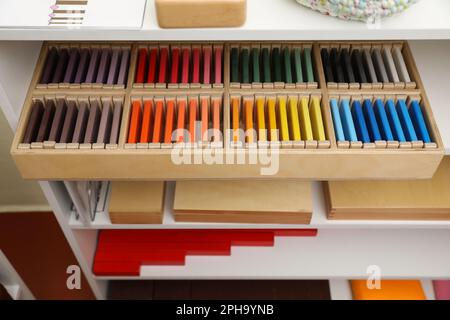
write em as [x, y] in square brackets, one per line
[13, 291]
[12, 281]
[319, 219]
[270, 19]
[427, 286]
[96, 14]
[340, 289]
[343, 253]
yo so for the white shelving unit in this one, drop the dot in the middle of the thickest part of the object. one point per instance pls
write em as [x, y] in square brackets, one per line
[270, 19]
[343, 249]
[13, 283]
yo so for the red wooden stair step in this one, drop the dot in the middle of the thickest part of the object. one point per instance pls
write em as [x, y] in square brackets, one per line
[236, 238]
[191, 248]
[154, 256]
[122, 252]
[122, 268]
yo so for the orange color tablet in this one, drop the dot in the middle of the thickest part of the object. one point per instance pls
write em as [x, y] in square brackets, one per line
[135, 122]
[170, 117]
[193, 106]
[248, 113]
[216, 102]
[181, 121]
[204, 118]
[157, 128]
[147, 122]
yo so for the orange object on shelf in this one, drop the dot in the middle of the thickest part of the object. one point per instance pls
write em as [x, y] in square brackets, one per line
[157, 129]
[193, 106]
[170, 119]
[135, 122]
[390, 290]
[181, 121]
[248, 107]
[147, 122]
[216, 102]
[204, 119]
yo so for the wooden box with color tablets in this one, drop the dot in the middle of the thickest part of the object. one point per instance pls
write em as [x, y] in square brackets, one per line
[226, 110]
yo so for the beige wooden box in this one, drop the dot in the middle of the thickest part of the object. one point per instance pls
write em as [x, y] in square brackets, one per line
[325, 161]
[201, 13]
[391, 200]
[288, 202]
[138, 202]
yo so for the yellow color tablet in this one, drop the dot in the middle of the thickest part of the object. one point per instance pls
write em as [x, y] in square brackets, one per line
[305, 120]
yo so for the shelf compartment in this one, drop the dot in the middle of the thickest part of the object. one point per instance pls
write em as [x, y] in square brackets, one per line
[367, 65]
[279, 121]
[179, 120]
[71, 122]
[284, 65]
[319, 217]
[382, 122]
[181, 65]
[83, 65]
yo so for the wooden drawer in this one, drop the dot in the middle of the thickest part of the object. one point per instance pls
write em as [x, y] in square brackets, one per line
[320, 154]
[390, 200]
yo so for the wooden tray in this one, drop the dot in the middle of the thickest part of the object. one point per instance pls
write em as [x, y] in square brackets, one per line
[136, 202]
[330, 162]
[391, 200]
[288, 202]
